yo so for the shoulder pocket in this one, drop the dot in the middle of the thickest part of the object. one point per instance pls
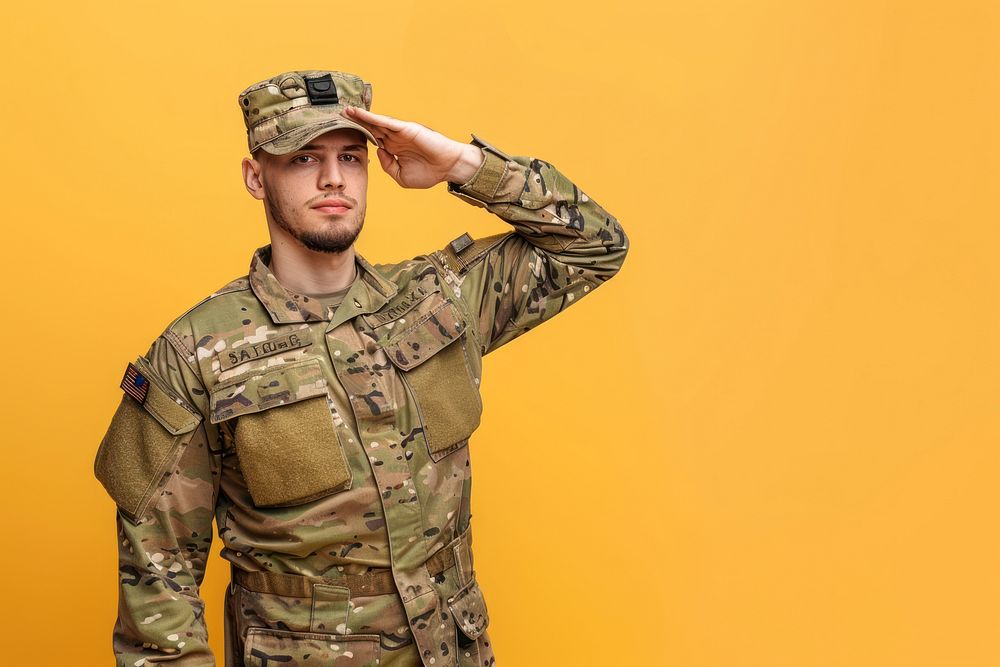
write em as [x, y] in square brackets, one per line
[287, 444]
[433, 357]
[142, 443]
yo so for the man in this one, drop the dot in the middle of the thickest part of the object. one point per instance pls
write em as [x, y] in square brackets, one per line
[320, 407]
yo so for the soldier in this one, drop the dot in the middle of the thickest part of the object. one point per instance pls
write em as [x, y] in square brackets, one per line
[320, 406]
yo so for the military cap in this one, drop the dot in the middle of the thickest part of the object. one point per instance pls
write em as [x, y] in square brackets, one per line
[286, 111]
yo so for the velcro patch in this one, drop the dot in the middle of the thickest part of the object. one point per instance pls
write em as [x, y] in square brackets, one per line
[321, 90]
[134, 383]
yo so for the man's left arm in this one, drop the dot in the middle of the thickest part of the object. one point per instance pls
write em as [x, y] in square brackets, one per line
[563, 246]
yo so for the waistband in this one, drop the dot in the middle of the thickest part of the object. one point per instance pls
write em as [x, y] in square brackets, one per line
[374, 582]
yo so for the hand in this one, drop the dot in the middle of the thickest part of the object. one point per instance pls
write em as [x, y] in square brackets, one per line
[416, 156]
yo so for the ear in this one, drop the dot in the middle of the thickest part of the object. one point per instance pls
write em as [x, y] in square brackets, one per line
[252, 177]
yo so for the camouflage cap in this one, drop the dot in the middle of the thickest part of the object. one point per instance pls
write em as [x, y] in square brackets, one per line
[284, 112]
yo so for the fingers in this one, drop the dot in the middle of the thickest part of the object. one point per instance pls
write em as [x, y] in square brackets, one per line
[367, 117]
[376, 131]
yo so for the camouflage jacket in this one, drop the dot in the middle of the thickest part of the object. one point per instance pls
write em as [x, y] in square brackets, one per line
[326, 446]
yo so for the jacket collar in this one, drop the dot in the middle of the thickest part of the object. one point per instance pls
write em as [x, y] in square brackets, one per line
[367, 294]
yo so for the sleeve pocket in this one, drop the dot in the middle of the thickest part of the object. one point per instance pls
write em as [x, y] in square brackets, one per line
[141, 443]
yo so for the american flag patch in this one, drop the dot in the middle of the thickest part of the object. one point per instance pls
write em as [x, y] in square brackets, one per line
[135, 383]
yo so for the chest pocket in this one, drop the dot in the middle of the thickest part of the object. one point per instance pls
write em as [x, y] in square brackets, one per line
[433, 358]
[285, 437]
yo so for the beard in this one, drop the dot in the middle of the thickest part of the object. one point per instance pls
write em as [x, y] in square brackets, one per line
[334, 238]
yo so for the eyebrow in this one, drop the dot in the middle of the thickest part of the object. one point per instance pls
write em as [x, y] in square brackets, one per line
[351, 147]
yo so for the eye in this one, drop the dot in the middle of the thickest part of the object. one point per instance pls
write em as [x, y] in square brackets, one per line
[299, 157]
[353, 157]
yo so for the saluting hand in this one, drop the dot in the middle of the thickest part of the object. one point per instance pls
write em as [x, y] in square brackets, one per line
[416, 156]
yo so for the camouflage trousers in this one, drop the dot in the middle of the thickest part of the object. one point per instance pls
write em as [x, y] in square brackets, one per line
[333, 627]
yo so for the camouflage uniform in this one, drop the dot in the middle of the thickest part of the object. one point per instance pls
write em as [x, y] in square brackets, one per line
[333, 450]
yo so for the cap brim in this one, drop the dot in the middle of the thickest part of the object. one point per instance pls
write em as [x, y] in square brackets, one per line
[295, 139]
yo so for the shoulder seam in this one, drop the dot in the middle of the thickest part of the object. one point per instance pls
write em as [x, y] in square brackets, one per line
[208, 298]
[178, 345]
[189, 356]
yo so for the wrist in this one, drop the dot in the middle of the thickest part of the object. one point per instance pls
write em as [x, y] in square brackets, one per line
[468, 164]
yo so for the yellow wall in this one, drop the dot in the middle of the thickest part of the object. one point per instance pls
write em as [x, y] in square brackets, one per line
[770, 440]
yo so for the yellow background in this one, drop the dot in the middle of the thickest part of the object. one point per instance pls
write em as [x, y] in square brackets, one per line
[770, 440]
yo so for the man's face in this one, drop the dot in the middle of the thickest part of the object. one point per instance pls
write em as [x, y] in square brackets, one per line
[332, 166]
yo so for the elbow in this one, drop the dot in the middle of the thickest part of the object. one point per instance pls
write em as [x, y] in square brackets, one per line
[616, 246]
[622, 247]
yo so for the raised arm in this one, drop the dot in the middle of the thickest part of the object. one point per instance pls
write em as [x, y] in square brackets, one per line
[564, 245]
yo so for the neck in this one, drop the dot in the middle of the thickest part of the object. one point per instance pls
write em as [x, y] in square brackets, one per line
[307, 271]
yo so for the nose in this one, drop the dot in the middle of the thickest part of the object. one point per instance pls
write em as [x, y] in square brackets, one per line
[330, 175]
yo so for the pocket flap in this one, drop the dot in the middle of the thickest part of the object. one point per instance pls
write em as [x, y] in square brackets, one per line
[265, 647]
[163, 403]
[468, 608]
[402, 306]
[265, 388]
[435, 330]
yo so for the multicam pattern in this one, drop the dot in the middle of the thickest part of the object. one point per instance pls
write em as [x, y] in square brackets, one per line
[263, 388]
[426, 334]
[468, 608]
[271, 648]
[280, 115]
[408, 496]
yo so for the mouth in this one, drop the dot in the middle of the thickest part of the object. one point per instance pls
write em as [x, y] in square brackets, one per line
[332, 209]
[332, 206]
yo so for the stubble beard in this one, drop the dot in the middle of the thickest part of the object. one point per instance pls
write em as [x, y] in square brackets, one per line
[336, 238]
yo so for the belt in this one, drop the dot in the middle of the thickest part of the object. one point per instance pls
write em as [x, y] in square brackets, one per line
[379, 581]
